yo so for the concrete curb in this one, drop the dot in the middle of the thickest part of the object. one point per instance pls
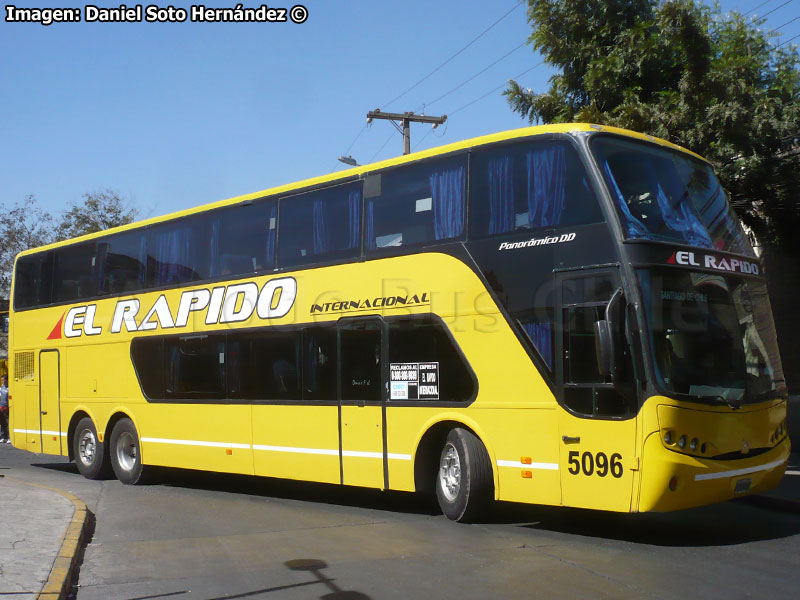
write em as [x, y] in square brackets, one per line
[58, 582]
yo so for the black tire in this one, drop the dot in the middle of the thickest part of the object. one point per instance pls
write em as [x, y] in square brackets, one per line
[125, 452]
[464, 482]
[89, 451]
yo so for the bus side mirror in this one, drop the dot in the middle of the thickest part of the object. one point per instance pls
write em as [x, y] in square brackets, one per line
[604, 347]
[608, 338]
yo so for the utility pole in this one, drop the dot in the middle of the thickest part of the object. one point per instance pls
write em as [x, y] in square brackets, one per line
[406, 120]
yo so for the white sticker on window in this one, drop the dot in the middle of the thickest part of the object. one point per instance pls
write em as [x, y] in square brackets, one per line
[272, 222]
[424, 204]
[414, 381]
[386, 241]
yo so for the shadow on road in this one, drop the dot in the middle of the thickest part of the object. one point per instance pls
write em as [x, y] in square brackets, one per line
[723, 524]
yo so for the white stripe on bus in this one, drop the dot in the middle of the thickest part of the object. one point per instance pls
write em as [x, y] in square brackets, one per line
[323, 451]
[737, 472]
[196, 443]
[518, 465]
[37, 432]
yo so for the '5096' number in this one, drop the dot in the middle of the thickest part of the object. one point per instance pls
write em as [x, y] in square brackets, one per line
[595, 463]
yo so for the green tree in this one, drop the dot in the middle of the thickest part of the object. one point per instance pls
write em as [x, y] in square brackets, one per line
[22, 226]
[26, 225]
[99, 211]
[714, 83]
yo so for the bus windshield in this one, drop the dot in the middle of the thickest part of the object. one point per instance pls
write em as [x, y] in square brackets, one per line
[712, 336]
[665, 195]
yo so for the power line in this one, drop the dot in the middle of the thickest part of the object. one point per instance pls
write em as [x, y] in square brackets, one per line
[756, 8]
[468, 104]
[776, 8]
[437, 69]
[389, 139]
[787, 22]
[789, 40]
[465, 82]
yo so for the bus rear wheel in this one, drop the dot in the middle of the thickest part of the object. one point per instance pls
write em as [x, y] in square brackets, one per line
[126, 457]
[89, 451]
[464, 480]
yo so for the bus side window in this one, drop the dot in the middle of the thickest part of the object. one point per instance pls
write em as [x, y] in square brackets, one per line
[443, 372]
[264, 366]
[243, 238]
[319, 363]
[586, 391]
[361, 362]
[529, 185]
[75, 272]
[418, 204]
[320, 225]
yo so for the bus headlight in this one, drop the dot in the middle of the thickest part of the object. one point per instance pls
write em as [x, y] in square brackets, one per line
[693, 444]
[682, 442]
[668, 438]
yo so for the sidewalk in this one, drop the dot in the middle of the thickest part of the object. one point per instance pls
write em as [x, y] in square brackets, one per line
[41, 531]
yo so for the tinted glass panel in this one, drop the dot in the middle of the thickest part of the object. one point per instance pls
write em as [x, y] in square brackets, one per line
[361, 362]
[33, 280]
[148, 360]
[661, 194]
[418, 204]
[178, 251]
[243, 238]
[579, 344]
[529, 185]
[264, 366]
[74, 273]
[319, 364]
[424, 363]
[320, 225]
[123, 260]
[195, 367]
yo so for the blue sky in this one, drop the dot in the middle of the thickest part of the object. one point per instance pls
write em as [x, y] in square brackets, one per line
[173, 115]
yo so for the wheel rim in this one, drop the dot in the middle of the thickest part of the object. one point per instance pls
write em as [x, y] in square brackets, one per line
[87, 448]
[450, 473]
[126, 451]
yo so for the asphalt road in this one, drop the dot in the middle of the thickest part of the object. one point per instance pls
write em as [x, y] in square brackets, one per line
[196, 536]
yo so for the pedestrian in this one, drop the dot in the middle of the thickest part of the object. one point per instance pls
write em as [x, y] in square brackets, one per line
[5, 435]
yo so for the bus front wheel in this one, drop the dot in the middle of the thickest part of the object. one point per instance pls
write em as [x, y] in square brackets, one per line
[89, 451]
[464, 481]
[126, 458]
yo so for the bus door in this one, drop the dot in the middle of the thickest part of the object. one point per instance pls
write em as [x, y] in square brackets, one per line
[49, 402]
[597, 428]
[362, 394]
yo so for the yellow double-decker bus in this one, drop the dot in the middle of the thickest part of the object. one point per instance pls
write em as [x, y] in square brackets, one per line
[561, 315]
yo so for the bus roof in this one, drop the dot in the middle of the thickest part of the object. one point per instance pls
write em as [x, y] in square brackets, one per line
[363, 169]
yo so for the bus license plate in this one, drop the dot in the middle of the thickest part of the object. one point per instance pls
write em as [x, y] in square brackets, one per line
[742, 486]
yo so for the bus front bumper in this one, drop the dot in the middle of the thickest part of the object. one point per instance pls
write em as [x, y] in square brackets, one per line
[672, 481]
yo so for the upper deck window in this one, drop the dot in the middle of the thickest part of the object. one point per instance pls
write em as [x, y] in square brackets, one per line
[529, 185]
[668, 196]
[243, 238]
[417, 204]
[320, 225]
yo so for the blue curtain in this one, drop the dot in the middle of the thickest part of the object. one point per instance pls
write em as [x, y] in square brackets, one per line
[501, 195]
[683, 219]
[354, 217]
[633, 226]
[547, 174]
[273, 214]
[320, 226]
[216, 233]
[370, 224]
[447, 192]
[541, 336]
[172, 249]
[143, 259]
